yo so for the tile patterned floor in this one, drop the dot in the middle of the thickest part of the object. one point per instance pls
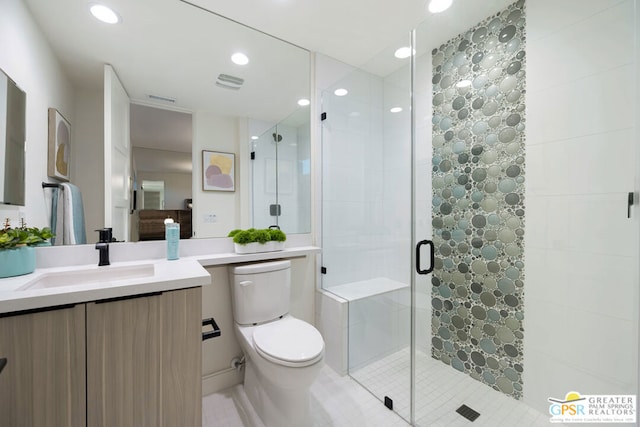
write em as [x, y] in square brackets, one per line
[342, 402]
[440, 390]
[335, 401]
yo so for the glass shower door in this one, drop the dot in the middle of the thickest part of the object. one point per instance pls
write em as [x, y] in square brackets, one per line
[532, 153]
[264, 157]
[366, 235]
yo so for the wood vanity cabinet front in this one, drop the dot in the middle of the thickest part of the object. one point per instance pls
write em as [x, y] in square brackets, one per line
[144, 361]
[43, 382]
[126, 362]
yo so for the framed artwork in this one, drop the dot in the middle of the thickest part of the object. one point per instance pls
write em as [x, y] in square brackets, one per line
[59, 146]
[218, 171]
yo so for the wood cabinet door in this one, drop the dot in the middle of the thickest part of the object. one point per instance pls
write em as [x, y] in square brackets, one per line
[182, 358]
[43, 382]
[123, 362]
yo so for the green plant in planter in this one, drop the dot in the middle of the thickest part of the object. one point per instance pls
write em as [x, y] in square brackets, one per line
[277, 235]
[244, 237]
[23, 235]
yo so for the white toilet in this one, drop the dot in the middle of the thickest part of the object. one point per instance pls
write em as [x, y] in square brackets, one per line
[283, 354]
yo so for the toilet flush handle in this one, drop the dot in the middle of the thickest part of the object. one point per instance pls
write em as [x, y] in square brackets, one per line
[246, 283]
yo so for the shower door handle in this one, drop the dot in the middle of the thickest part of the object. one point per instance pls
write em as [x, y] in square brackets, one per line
[431, 257]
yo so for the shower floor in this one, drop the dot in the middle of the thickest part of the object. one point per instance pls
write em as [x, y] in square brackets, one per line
[440, 390]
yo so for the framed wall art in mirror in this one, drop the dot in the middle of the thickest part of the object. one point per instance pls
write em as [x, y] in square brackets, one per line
[218, 171]
[59, 146]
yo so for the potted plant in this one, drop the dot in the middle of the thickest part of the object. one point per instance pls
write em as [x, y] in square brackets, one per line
[258, 240]
[17, 253]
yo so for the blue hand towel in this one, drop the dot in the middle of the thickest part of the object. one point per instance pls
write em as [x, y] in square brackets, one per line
[68, 216]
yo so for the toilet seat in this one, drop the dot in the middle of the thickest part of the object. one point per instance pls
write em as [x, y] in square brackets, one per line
[289, 342]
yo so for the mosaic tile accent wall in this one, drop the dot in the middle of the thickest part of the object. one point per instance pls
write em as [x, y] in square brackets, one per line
[478, 200]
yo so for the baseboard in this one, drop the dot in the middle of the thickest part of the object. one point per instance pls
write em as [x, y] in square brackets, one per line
[221, 380]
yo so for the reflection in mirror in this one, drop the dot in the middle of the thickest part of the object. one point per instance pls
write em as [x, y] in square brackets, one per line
[12, 140]
[162, 169]
[281, 174]
[186, 70]
[152, 194]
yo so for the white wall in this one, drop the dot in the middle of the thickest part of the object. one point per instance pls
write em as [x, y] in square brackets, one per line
[28, 59]
[215, 133]
[581, 252]
[88, 157]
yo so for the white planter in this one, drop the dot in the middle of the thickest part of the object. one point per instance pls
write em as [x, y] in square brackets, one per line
[252, 248]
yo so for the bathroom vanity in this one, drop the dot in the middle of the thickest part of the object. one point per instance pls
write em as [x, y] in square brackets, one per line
[117, 345]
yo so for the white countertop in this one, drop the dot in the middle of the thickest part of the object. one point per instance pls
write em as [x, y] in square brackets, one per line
[167, 275]
[158, 275]
[208, 260]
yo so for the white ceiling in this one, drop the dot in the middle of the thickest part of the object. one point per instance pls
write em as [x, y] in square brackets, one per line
[159, 129]
[176, 49]
[361, 33]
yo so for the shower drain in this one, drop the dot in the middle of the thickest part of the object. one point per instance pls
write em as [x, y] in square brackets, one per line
[468, 413]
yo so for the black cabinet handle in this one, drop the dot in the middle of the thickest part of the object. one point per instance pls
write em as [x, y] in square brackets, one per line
[431, 257]
[3, 363]
[630, 201]
[216, 332]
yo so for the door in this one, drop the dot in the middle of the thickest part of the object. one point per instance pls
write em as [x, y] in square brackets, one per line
[535, 287]
[124, 348]
[43, 381]
[367, 226]
[117, 155]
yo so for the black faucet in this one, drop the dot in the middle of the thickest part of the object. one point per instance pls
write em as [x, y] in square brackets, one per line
[103, 245]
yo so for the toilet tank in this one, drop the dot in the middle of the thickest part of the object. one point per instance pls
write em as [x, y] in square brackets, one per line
[260, 291]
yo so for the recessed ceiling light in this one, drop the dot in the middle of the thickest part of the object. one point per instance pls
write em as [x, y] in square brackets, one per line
[463, 83]
[303, 102]
[396, 109]
[104, 13]
[437, 6]
[404, 52]
[341, 92]
[254, 137]
[240, 58]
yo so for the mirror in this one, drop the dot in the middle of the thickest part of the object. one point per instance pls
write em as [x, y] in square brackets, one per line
[152, 194]
[175, 57]
[281, 173]
[12, 140]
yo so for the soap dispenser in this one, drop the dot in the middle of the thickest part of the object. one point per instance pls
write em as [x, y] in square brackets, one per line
[172, 235]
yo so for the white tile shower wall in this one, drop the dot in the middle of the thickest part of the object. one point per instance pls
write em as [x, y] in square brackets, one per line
[396, 152]
[304, 178]
[581, 252]
[352, 180]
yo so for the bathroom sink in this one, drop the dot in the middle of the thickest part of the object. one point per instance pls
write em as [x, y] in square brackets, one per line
[89, 276]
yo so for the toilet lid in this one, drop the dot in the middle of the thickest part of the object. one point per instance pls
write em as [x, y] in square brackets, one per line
[289, 341]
